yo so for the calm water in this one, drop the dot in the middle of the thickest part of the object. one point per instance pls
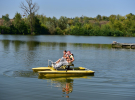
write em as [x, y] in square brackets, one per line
[114, 77]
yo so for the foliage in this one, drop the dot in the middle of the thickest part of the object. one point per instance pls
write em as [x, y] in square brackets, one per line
[6, 20]
[62, 22]
[105, 18]
[114, 25]
[98, 17]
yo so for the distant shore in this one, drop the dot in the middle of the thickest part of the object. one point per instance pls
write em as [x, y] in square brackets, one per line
[114, 25]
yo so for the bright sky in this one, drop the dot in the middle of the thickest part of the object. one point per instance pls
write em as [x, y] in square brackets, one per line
[71, 8]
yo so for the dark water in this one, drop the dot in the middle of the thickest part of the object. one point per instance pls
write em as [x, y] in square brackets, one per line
[114, 77]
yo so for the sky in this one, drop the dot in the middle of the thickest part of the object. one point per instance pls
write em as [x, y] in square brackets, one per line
[71, 8]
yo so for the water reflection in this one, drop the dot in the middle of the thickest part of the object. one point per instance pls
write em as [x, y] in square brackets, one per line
[33, 45]
[63, 83]
[5, 44]
[17, 45]
[85, 45]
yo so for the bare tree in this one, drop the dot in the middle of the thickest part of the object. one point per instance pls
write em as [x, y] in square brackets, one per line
[30, 10]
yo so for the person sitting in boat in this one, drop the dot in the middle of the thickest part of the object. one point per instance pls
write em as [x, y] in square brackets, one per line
[70, 58]
[65, 60]
[64, 56]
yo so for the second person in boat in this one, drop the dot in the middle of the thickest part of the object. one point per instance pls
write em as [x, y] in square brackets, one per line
[67, 59]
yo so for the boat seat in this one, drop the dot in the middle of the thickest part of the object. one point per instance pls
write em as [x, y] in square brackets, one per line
[64, 66]
[61, 69]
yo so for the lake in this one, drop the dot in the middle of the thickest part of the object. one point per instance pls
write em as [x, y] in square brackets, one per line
[114, 77]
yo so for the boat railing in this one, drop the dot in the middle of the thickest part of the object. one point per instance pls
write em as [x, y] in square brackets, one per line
[49, 61]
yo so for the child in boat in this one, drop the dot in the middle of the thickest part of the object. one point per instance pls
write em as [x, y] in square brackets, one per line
[64, 60]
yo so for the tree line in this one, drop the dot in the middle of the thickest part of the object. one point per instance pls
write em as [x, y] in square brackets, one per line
[114, 25]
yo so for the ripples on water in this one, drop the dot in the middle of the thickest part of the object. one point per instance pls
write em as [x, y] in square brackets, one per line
[114, 69]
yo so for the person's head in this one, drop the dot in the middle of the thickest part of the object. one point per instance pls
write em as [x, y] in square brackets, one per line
[64, 52]
[68, 52]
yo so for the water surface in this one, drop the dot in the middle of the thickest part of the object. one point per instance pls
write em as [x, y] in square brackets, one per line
[114, 68]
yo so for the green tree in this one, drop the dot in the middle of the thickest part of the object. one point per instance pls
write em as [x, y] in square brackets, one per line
[106, 30]
[51, 27]
[98, 17]
[118, 25]
[127, 24]
[6, 20]
[118, 17]
[62, 23]
[19, 25]
[42, 18]
[130, 16]
[85, 19]
[112, 18]
[105, 18]
[17, 19]
[75, 20]
[55, 21]
[122, 18]
[59, 31]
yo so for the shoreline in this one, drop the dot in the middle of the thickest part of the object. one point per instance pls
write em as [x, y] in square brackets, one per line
[63, 35]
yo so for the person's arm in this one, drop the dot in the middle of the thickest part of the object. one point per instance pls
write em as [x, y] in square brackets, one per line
[64, 55]
[67, 56]
[72, 59]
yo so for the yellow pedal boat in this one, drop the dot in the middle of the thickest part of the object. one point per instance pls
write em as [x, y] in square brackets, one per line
[49, 68]
[50, 71]
[62, 71]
